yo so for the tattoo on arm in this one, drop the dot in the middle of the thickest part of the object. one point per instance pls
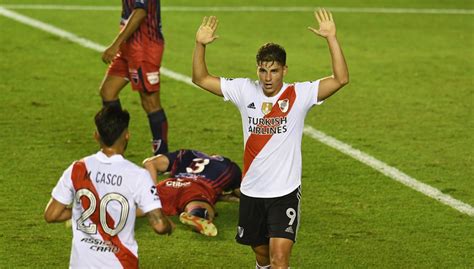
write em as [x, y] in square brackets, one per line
[155, 217]
[159, 222]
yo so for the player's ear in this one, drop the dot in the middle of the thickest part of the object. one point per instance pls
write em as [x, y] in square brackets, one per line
[285, 70]
[97, 136]
[127, 134]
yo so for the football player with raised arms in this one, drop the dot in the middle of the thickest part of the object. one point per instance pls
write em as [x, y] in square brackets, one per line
[273, 114]
[197, 181]
[105, 190]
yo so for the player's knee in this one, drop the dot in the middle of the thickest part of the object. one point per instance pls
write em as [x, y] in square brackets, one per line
[262, 254]
[150, 102]
[106, 94]
[279, 260]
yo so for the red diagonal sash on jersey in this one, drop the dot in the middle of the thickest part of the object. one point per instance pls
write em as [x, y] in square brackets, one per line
[81, 180]
[255, 143]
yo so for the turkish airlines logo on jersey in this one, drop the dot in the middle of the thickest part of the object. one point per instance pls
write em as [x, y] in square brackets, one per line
[284, 105]
[266, 107]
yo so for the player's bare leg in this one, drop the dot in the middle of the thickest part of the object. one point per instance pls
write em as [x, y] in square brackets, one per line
[262, 256]
[193, 205]
[151, 103]
[280, 250]
[110, 89]
[199, 215]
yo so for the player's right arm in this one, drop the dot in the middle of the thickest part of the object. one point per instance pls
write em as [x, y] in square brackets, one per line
[340, 77]
[201, 77]
[57, 212]
[136, 18]
[159, 222]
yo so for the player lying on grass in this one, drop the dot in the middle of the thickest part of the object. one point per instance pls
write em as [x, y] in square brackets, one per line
[273, 114]
[105, 190]
[197, 181]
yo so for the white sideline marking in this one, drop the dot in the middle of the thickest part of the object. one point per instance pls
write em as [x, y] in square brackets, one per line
[380, 166]
[259, 9]
[79, 40]
[389, 171]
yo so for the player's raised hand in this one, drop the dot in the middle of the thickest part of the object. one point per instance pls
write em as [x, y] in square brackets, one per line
[207, 31]
[327, 27]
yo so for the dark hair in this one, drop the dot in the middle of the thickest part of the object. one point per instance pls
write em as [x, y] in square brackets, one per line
[111, 121]
[271, 52]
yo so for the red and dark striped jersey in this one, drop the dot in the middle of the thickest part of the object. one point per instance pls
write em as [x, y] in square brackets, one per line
[151, 27]
[219, 172]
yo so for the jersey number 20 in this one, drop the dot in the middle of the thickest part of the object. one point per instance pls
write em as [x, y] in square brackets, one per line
[92, 228]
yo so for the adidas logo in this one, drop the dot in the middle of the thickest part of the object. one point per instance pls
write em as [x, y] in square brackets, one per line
[251, 105]
[289, 230]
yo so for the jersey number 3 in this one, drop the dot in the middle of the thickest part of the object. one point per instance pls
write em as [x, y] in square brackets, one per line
[197, 166]
[92, 227]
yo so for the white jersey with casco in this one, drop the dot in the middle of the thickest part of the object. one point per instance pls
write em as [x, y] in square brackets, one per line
[273, 129]
[104, 192]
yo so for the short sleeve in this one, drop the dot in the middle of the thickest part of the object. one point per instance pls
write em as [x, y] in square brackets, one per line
[232, 89]
[63, 192]
[309, 90]
[147, 197]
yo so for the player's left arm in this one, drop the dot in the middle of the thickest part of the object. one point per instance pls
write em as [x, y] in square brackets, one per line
[156, 164]
[57, 212]
[340, 77]
[136, 18]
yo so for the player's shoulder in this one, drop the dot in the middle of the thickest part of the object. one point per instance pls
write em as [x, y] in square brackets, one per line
[240, 81]
[306, 84]
[197, 153]
[306, 87]
[136, 175]
[131, 167]
[83, 161]
[235, 80]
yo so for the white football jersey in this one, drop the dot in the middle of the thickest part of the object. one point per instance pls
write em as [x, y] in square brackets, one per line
[273, 129]
[104, 192]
